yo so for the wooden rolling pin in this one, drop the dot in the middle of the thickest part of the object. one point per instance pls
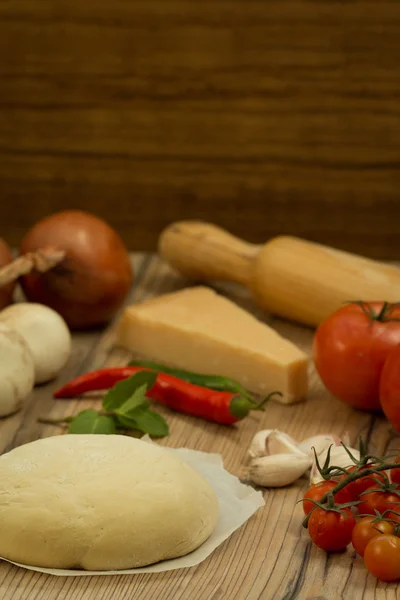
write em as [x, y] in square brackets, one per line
[287, 276]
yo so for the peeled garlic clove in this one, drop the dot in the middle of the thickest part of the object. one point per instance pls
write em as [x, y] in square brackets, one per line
[258, 443]
[272, 441]
[280, 442]
[278, 470]
[338, 458]
[319, 442]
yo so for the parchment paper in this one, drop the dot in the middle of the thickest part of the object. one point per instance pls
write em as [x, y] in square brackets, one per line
[237, 503]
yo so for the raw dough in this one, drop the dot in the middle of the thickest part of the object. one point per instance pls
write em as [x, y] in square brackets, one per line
[100, 502]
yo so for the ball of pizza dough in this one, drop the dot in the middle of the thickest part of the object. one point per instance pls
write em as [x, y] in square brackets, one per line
[100, 502]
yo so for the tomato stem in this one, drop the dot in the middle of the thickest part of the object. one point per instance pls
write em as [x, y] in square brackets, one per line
[382, 311]
[383, 486]
[349, 479]
[331, 504]
[383, 316]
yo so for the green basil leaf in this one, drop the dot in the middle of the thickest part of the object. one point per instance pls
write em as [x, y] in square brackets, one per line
[143, 420]
[124, 422]
[137, 399]
[124, 389]
[89, 421]
[150, 422]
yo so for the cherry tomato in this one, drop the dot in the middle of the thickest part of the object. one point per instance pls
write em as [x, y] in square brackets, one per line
[350, 348]
[381, 501]
[366, 529]
[390, 388]
[368, 503]
[382, 557]
[393, 516]
[395, 473]
[357, 487]
[317, 491]
[386, 501]
[331, 530]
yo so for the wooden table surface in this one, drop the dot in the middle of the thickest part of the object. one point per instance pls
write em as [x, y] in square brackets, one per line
[270, 557]
[164, 108]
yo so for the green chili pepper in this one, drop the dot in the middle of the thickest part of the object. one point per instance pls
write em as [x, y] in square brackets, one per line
[214, 382]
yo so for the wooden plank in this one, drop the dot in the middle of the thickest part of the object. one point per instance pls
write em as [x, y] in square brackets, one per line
[270, 557]
[175, 109]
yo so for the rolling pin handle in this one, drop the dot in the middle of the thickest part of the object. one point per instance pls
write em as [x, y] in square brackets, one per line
[205, 252]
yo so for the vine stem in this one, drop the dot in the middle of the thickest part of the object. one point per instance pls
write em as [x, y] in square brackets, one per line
[349, 479]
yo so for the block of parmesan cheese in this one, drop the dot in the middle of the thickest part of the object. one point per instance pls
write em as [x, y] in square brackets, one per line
[201, 331]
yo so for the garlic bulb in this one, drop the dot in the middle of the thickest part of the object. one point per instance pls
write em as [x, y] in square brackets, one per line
[276, 459]
[338, 458]
[278, 470]
[319, 442]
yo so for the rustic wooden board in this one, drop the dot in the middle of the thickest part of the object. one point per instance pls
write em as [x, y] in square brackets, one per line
[174, 109]
[270, 557]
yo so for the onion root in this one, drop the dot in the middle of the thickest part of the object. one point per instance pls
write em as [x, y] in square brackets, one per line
[41, 260]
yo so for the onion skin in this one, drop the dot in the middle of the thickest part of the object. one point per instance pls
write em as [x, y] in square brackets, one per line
[90, 285]
[6, 292]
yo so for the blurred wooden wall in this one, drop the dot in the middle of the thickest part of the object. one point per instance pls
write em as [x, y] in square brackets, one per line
[264, 116]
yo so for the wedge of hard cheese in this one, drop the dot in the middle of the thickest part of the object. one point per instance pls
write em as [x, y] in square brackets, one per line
[199, 330]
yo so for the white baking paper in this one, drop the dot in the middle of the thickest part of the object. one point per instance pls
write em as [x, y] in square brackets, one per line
[237, 503]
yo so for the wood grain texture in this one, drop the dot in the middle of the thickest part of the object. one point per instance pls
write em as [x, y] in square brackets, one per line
[266, 117]
[270, 557]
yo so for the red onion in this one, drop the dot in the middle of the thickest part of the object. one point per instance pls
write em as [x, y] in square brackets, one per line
[94, 275]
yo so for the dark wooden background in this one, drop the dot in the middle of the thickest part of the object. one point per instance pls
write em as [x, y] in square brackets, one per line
[264, 116]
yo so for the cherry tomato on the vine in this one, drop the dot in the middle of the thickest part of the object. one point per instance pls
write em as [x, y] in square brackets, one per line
[350, 348]
[388, 501]
[318, 490]
[331, 530]
[382, 557]
[369, 502]
[380, 501]
[366, 529]
[357, 487]
[395, 473]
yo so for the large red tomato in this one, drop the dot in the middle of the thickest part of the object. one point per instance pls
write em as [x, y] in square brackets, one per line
[390, 392]
[350, 348]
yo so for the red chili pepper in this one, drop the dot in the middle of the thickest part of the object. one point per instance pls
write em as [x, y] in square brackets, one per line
[221, 407]
[101, 379]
